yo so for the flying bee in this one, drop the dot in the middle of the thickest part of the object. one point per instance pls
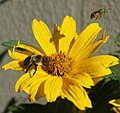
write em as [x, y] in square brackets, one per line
[35, 60]
[98, 14]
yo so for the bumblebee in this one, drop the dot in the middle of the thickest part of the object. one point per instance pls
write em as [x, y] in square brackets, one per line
[99, 13]
[35, 60]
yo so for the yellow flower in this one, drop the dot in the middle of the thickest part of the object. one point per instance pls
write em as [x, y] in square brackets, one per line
[70, 66]
[116, 103]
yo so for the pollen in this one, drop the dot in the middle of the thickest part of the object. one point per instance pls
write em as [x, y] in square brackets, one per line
[59, 64]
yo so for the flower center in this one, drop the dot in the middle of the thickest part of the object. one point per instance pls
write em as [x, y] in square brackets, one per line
[59, 64]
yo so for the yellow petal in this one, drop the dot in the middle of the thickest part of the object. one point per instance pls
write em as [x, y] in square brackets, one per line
[85, 39]
[98, 79]
[106, 60]
[53, 88]
[95, 69]
[115, 102]
[34, 90]
[116, 109]
[95, 65]
[32, 78]
[73, 41]
[40, 92]
[21, 80]
[27, 90]
[90, 49]
[83, 79]
[43, 36]
[21, 55]
[27, 82]
[68, 29]
[36, 86]
[56, 37]
[31, 48]
[14, 65]
[75, 94]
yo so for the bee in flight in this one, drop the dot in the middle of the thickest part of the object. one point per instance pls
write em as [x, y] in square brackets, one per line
[35, 60]
[98, 14]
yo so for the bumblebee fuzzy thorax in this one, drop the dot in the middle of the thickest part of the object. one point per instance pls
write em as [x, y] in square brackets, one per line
[35, 60]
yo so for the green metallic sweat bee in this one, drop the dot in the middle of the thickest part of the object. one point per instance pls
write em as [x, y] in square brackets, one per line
[98, 14]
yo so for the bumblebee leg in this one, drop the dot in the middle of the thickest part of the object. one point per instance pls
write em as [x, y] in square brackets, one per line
[35, 69]
[28, 68]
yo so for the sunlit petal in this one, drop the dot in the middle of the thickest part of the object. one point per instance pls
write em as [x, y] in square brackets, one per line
[97, 80]
[14, 65]
[75, 94]
[68, 29]
[21, 80]
[90, 50]
[35, 87]
[40, 92]
[32, 79]
[85, 38]
[21, 55]
[116, 103]
[31, 48]
[95, 69]
[106, 60]
[43, 36]
[27, 90]
[52, 88]
[83, 79]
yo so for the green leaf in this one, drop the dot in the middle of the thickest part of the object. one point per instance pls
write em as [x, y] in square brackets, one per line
[117, 54]
[27, 108]
[15, 108]
[12, 43]
[59, 106]
[117, 40]
[102, 93]
[116, 70]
